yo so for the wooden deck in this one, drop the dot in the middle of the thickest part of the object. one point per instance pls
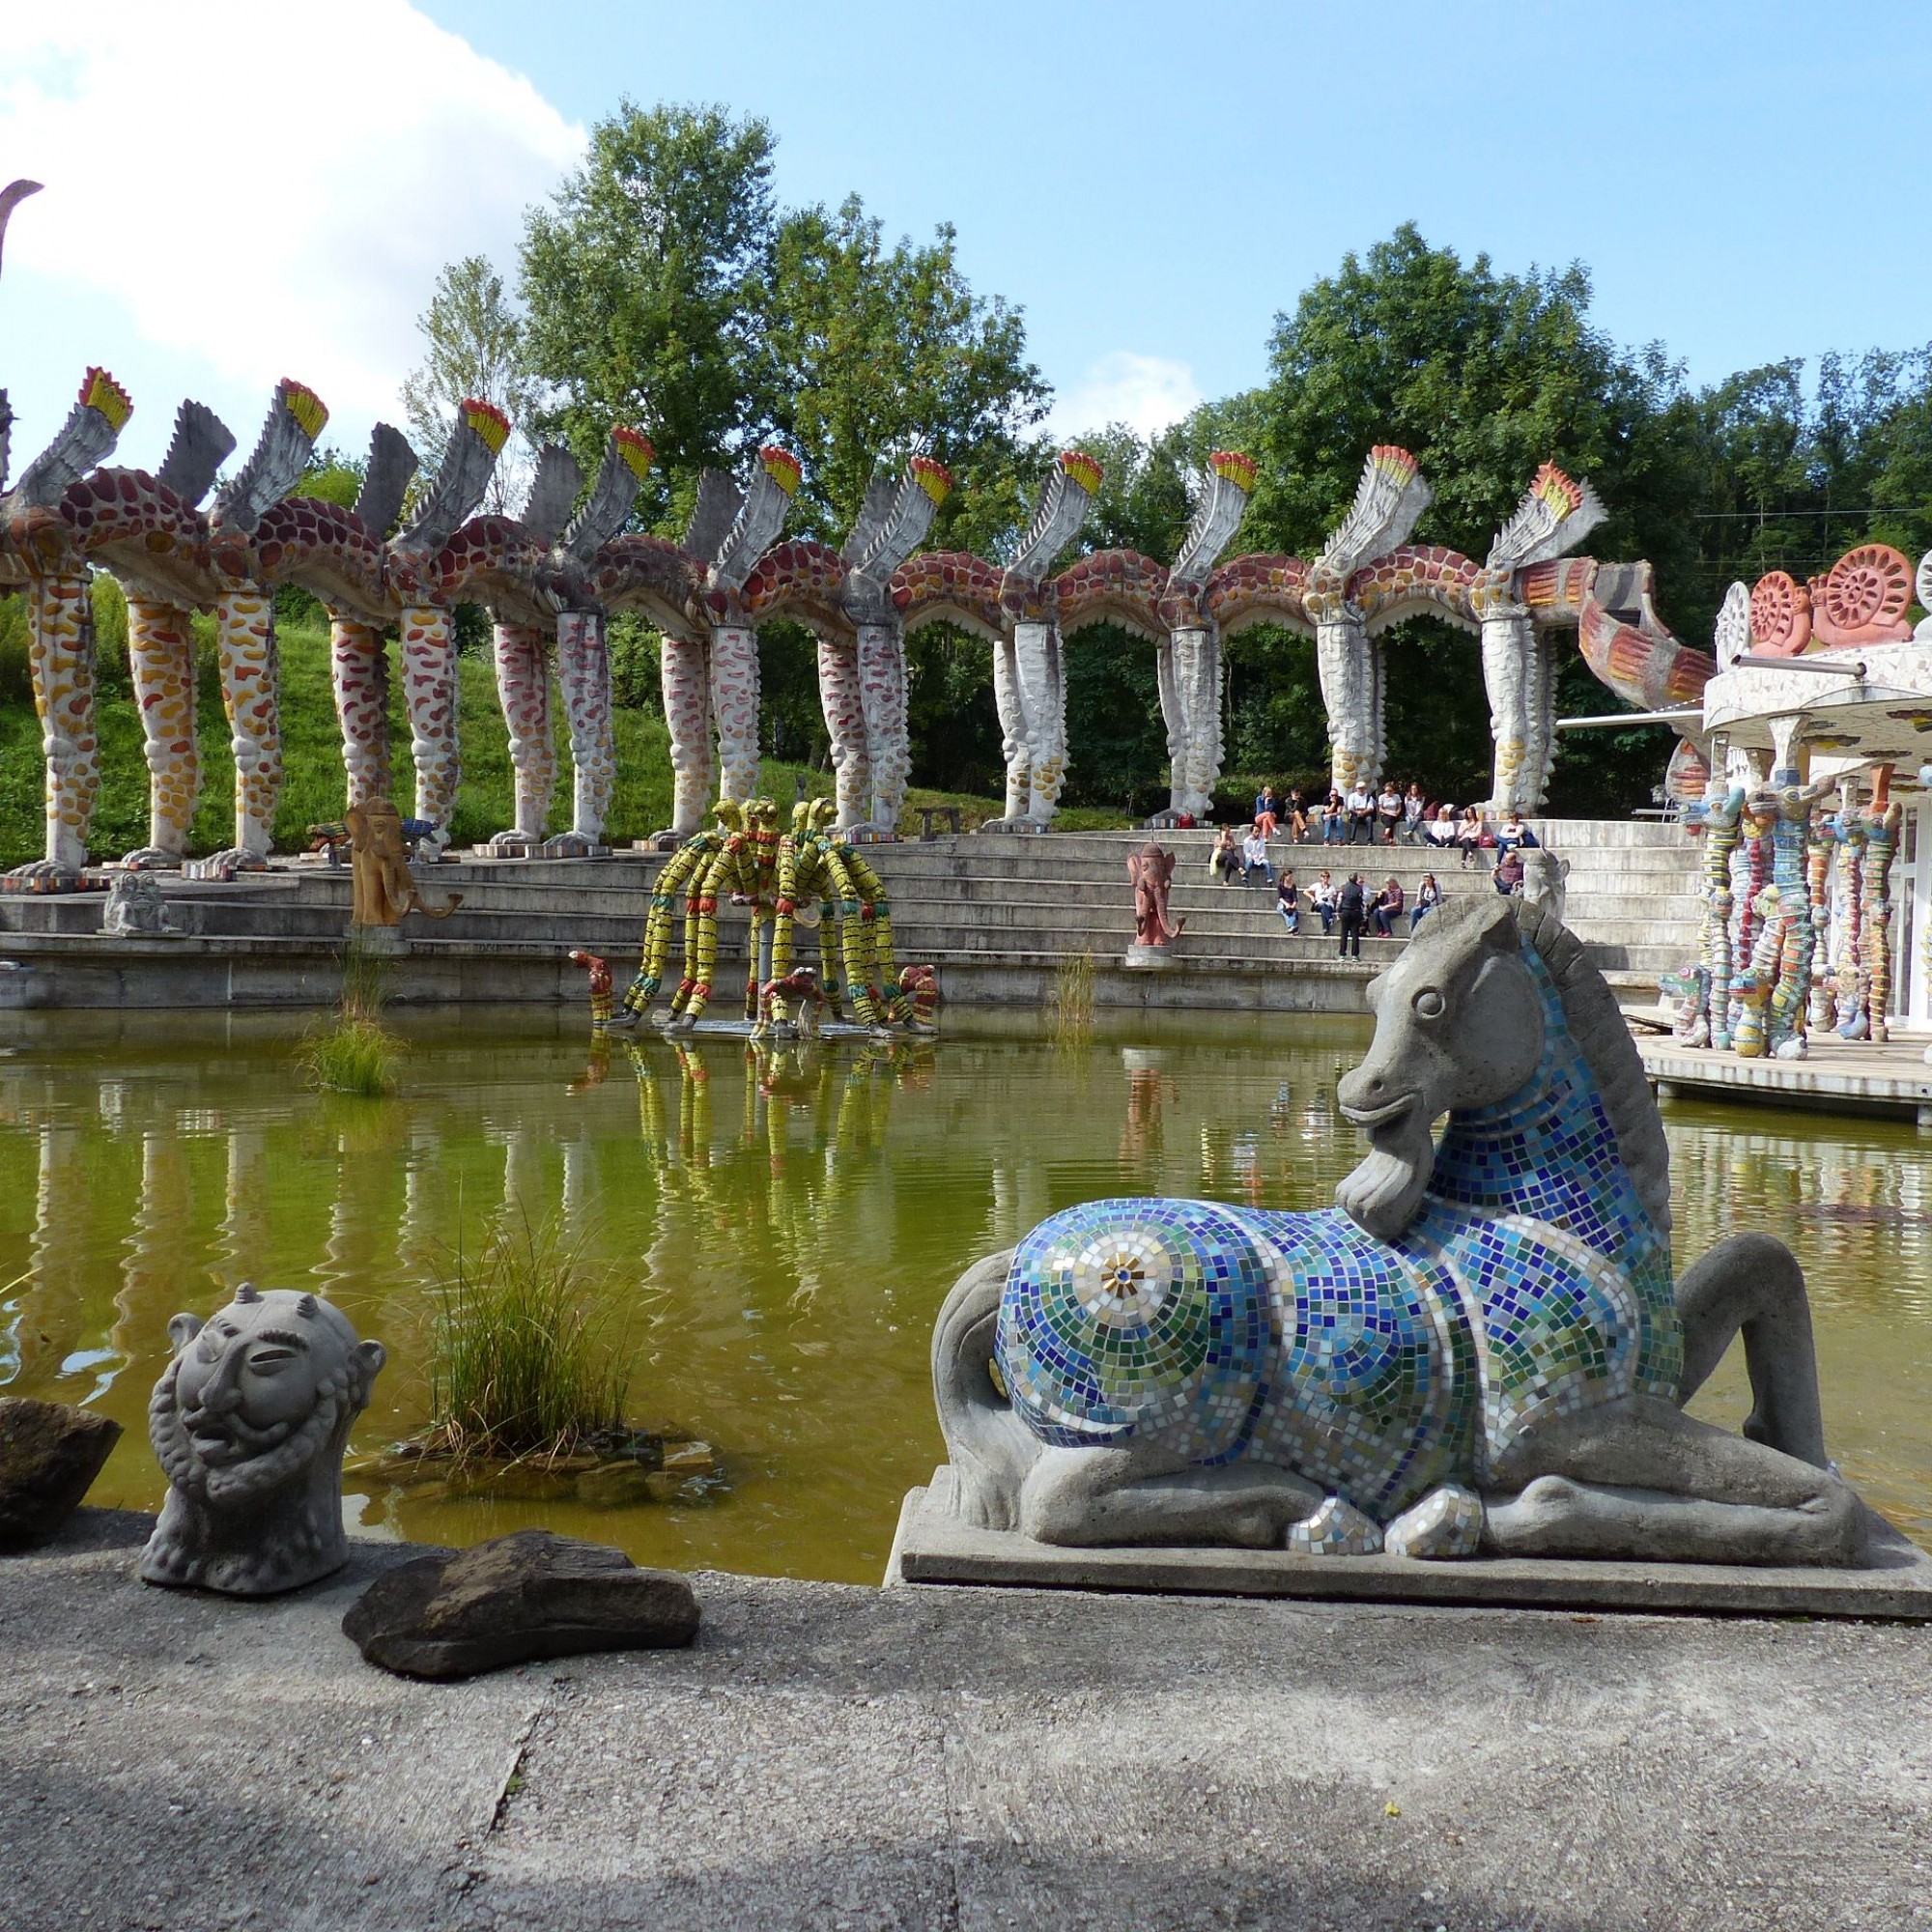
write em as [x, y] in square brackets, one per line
[1835, 1076]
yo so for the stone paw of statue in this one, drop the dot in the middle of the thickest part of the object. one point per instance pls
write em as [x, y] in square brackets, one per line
[512, 844]
[1445, 1525]
[623, 1020]
[152, 858]
[222, 867]
[1797, 1047]
[678, 1024]
[1338, 1528]
[44, 875]
[573, 845]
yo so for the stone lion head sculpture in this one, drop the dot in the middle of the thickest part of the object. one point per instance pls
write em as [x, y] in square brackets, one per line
[250, 1420]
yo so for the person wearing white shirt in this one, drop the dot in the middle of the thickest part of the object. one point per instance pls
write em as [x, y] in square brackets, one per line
[1361, 816]
[1255, 857]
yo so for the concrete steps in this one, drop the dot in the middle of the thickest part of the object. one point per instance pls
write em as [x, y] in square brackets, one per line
[999, 913]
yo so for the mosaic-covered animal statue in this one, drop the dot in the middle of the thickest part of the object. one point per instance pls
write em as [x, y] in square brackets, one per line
[1479, 1346]
[250, 1419]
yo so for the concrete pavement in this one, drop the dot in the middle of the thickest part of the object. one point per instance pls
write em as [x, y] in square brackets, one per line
[827, 1756]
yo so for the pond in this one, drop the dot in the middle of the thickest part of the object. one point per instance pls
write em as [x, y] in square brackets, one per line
[775, 1235]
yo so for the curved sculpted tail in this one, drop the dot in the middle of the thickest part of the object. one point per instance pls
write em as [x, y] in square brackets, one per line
[991, 1448]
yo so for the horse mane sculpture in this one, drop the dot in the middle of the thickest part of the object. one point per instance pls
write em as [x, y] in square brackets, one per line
[1479, 1347]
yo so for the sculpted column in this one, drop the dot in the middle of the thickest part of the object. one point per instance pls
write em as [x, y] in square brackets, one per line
[1029, 681]
[1188, 667]
[1388, 499]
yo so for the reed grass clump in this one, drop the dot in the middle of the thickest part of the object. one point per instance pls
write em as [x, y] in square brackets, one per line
[353, 1054]
[1070, 1003]
[521, 1362]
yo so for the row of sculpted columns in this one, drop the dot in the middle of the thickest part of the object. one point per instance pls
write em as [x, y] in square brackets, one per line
[553, 575]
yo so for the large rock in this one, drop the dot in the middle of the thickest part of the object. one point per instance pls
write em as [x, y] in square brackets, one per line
[520, 1597]
[49, 1456]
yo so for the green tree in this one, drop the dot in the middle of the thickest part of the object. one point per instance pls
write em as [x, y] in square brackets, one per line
[473, 346]
[645, 286]
[1483, 376]
[878, 354]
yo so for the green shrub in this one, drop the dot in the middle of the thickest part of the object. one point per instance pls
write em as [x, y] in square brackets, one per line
[353, 1054]
[521, 1361]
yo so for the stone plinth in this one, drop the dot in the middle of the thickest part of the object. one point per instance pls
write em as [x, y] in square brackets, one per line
[933, 1546]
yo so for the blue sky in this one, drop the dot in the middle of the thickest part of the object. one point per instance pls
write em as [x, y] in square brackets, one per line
[1152, 184]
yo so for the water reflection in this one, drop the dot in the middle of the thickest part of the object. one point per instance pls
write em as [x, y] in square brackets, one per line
[779, 1225]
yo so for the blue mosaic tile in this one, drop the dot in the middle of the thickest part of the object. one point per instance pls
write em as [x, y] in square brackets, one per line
[1531, 1282]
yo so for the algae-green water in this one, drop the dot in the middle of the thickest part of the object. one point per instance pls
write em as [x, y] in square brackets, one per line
[778, 1231]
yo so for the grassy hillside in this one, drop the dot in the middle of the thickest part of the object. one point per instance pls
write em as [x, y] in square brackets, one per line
[312, 790]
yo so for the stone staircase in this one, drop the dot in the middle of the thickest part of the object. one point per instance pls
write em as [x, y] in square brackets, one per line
[997, 913]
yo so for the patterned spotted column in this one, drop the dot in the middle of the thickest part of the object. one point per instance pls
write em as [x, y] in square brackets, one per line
[687, 703]
[1539, 757]
[882, 690]
[1509, 673]
[1013, 744]
[1347, 670]
[359, 668]
[429, 690]
[584, 670]
[734, 705]
[842, 700]
[161, 660]
[523, 688]
[244, 636]
[1197, 678]
[60, 651]
[1037, 655]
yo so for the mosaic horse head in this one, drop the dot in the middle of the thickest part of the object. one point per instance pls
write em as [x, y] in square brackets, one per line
[1479, 1347]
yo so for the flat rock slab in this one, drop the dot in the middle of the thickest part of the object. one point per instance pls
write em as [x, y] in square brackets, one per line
[933, 1546]
[512, 1601]
[49, 1456]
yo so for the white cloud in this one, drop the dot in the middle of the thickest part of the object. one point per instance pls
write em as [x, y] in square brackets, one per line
[1146, 392]
[266, 189]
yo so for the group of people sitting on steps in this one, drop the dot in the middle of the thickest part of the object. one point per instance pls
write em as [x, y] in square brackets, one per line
[1390, 816]
[1242, 856]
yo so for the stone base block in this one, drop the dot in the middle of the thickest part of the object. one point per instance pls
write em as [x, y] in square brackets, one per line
[1148, 958]
[934, 1546]
[217, 870]
[41, 879]
[1014, 825]
[566, 846]
[660, 841]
